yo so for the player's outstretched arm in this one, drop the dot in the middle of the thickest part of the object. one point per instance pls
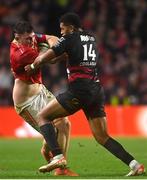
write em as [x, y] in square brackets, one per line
[51, 40]
[42, 59]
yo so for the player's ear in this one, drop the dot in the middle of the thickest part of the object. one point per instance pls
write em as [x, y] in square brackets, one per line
[72, 28]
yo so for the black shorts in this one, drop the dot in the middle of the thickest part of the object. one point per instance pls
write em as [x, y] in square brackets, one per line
[85, 95]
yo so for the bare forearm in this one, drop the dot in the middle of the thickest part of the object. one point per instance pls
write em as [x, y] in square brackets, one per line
[44, 58]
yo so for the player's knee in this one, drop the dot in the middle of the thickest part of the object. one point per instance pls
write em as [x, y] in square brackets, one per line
[68, 124]
[60, 123]
[102, 139]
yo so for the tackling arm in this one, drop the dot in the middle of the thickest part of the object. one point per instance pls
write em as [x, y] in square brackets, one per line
[51, 40]
[48, 56]
[42, 59]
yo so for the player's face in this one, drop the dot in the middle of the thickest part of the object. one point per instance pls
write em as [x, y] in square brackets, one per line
[65, 29]
[25, 39]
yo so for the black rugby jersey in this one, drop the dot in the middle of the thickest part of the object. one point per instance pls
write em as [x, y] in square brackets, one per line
[82, 51]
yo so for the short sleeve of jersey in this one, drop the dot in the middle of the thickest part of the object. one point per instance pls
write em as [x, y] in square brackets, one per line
[60, 47]
[40, 38]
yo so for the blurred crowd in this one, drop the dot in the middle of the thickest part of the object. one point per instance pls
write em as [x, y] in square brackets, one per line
[120, 27]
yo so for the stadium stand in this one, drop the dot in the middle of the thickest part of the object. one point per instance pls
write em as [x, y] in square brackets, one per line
[120, 28]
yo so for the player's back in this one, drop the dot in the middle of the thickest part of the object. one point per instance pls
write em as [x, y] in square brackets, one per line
[82, 49]
[83, 55]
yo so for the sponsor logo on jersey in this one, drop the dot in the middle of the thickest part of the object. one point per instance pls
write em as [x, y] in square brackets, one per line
[87, 38]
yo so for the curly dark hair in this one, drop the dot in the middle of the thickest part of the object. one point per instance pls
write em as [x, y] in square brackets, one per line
[71, 19]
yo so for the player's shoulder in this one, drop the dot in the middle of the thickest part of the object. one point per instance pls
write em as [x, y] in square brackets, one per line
[88, 33]
[52, 38]
[73, 34]
[77, 34]
[15, 49]
[68, 37]
[13, 44]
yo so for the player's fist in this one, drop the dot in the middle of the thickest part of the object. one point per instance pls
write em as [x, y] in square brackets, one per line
[35, 65]
[29, 68]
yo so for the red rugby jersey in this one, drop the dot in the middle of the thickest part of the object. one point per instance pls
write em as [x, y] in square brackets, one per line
[21, 55]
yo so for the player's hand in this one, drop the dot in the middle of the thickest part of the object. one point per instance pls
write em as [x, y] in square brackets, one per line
[28, 68]
[35, 65]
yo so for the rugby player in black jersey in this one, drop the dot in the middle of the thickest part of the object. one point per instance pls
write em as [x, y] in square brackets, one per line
[84, 92]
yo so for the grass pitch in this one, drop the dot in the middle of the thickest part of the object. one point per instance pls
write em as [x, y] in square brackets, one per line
[20, 159]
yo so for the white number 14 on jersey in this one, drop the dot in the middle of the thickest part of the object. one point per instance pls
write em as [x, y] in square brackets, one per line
[89, 52]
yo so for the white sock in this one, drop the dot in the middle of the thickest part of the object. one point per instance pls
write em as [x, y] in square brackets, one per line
[134, 164]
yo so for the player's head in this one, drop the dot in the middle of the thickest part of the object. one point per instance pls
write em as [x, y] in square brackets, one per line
[23, 32]
[69, 22]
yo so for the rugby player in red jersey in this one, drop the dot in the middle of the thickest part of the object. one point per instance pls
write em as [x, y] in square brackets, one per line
[84, 92]
[29, 94]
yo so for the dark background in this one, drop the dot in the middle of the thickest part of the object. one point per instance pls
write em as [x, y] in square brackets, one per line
[121, 30]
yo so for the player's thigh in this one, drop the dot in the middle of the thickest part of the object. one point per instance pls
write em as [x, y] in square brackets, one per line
[28, 115]
[63, 105]
[53, 110]
[95, 104]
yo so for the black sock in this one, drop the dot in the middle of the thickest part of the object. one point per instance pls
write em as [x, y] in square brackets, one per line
[49, 135]
[117, 150]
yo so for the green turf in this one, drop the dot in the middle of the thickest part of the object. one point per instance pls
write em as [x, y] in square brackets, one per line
[20, 158]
